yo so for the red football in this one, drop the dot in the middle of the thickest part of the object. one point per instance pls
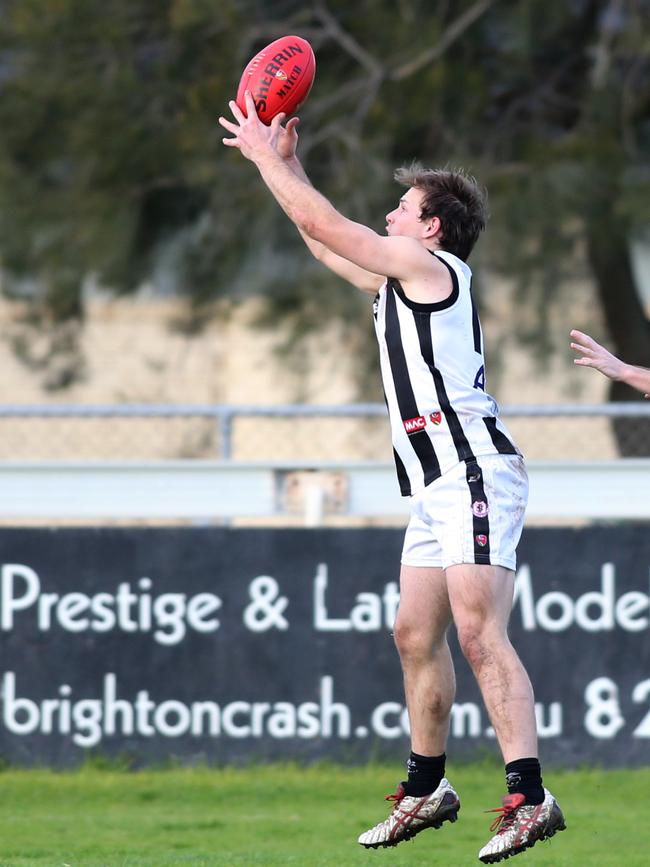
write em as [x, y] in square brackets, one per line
[279, 77]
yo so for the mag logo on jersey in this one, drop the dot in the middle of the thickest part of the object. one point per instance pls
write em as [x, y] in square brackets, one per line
[413, 425]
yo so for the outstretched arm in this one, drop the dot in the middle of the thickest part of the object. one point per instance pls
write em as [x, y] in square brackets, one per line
[596, 356]
[364, 280]
[313, 214]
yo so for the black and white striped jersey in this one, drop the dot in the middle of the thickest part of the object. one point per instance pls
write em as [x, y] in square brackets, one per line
[433, 372]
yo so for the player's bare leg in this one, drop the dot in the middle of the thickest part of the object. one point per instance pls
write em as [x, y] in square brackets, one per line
[429, 684]
[481, 599]
[421, 638]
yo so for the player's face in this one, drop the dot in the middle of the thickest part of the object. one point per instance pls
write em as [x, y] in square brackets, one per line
[405, 219]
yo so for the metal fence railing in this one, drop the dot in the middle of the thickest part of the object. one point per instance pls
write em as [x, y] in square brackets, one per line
[301, 432]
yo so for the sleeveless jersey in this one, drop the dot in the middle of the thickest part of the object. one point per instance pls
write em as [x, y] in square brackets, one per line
[433, 373]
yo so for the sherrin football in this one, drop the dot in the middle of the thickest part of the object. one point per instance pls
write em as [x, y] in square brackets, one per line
[279, 77]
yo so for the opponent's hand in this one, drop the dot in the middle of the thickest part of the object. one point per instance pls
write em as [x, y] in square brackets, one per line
[596, 356]
[251, 136]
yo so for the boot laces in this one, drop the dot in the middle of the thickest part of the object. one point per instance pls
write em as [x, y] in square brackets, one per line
[397, 796]
[507, 813]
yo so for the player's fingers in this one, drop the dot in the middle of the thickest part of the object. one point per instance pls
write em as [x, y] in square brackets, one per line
[229, 125]
[276, 122]
[578, 347]
[584, 362]
[238, 114]
[230, 142]
[586, 340]
[292, 123]
[250, 104]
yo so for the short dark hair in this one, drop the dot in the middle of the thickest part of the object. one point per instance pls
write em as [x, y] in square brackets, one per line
[456, 198]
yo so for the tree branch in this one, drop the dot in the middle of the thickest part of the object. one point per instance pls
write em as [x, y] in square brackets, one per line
[451, 34]
[347, 42]
[602, 51]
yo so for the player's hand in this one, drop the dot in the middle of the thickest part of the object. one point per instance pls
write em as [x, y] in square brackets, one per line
[596, 356]
[250, 135]
[288, 138]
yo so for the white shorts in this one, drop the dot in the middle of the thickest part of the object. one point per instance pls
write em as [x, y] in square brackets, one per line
[474, 513]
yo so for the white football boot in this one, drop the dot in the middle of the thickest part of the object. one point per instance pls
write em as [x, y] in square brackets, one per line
[520, 825]
[410, 815]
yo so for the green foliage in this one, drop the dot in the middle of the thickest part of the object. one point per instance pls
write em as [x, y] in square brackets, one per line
[111, 163]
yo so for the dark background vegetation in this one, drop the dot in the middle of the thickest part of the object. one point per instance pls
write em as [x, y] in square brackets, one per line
[111, 164]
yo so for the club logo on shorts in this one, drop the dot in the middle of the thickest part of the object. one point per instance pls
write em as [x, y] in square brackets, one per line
[413, 425]
[480, 508]
[436, 417]
[481, 540]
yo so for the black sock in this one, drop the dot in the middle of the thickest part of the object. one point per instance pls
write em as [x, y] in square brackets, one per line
[525, 776]
[425, 773]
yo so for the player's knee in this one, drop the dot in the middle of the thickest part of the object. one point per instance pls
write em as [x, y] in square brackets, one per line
[476, 647]
[410, 641]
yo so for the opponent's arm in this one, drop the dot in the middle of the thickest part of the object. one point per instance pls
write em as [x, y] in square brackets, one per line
[596, 356]
[312, 213]
[637, 377]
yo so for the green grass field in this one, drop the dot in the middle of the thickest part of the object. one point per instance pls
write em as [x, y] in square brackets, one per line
[285, 815]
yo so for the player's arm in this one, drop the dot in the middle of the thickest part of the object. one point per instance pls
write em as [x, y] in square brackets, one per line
[364, 280]
[311, 212]
[343, 239]
[596, 356]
